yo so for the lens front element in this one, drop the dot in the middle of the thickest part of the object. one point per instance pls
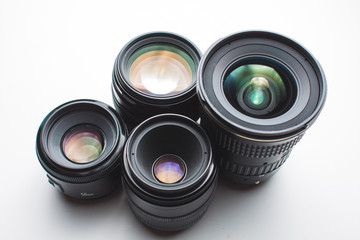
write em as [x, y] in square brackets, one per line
[82, 144]
[169, 169]
[255, 89]
[161, 70]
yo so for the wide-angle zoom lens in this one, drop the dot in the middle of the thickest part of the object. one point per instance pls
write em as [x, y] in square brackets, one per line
[79, 144]
[169, 174]
[259, 93]
[156, 73]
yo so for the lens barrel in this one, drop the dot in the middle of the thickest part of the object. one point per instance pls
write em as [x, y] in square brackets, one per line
[259, 93]
[169, 174]
[79, 144]
[155, 73]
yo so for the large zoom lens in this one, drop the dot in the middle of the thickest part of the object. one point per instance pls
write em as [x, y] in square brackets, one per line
[169, 174]
[156, 73]
[259, 92]
[79, 144]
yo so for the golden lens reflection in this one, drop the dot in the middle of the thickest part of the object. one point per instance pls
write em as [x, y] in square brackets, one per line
[169, 169]
[82, 145]
[160, 72]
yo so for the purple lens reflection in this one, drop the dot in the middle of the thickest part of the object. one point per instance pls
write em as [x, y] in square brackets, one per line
[169, 169]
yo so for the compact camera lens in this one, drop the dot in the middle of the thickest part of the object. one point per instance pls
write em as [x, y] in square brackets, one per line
[79, 144]
[156, 73]
[169, 173]
[259, 93]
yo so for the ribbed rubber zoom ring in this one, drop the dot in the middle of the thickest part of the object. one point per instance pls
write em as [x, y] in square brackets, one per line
[238, 169]
[246, 148]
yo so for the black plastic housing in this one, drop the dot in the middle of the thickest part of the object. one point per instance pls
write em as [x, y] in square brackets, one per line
[251, 149]
[169, 207]
[82, 180]
[135, 106]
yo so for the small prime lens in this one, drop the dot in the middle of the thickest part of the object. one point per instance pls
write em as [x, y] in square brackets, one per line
[259, 93]
[79, 144]
[156, 73]
[169, 173]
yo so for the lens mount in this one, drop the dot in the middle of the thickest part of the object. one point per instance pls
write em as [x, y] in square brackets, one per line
[83, 125]
[155, 73]
[178, 140]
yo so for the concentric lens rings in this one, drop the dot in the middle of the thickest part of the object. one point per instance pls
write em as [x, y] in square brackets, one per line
[255, 89]
[169, 169]
[161, 70]
[83, 144]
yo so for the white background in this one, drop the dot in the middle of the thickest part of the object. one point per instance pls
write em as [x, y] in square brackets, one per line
[55, 51]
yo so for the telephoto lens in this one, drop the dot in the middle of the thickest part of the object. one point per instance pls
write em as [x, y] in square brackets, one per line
[155, 73]
[259, 93]
[169, 173]
[79, 144]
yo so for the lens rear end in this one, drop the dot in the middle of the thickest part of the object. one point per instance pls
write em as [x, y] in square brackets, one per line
[259, 93]
[156, 73]
[169, 174]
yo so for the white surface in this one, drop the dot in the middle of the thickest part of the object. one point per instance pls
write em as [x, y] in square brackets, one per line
[55, 51]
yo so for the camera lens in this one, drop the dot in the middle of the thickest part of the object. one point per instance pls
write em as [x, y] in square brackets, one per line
[169, 174]
[79, 144]
[156, 73]
[259, 93]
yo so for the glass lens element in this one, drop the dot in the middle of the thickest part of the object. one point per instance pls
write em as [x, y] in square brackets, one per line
[169, 169]
[161, 70]
[255, 89]
[82, 144]
[257, 96]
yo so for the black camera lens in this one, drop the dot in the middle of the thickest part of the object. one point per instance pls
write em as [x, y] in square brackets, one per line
[79, 144]
[156, 73]
[169, 174]
[259, 93]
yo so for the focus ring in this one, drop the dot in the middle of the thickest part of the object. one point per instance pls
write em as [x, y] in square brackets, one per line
[84, 179]
[170, 224]
[238, 146]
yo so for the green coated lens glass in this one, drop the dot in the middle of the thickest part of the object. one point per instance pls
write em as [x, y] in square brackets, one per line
[255, 89]
[257, 96]
[161, 70]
